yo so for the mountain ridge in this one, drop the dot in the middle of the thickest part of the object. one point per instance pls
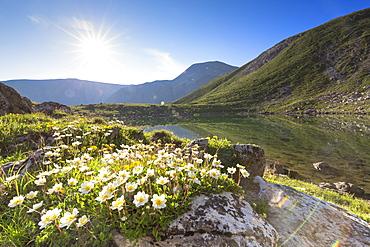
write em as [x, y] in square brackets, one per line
[298, 71]
[75, 92]
[155, 92]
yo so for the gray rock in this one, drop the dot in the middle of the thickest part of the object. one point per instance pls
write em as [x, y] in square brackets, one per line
[344, 187]
[252, 158]
[215, 220]
[20, 167]
[275, 168]
[305, 221]
[321, 166]
[202, 143]
[49, 107]
[12, 102]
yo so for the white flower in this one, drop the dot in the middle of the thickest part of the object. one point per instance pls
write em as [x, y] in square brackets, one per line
[124, 218]
[17, 200]
[57, 187]
[162, 180]
[43, 174]
[103, 196]
[214, 173]
[31, 194]
[190, 167]
[40, 181]
[110, 187]
[72, 181]
[140, 199]
[82, 221]
[76, 143]
[231, 170]
[159, 201]
[203, 172]
[35, 207]
[124, 174]
[118, 204]
[84, 168]
[150, 172]
[86, 187]
[239, 166]
[8, 179]
[66, 169]
[68, 218]
[131, 187]
[244, 172]
[48, 217]
[137, 170]
[207, 156]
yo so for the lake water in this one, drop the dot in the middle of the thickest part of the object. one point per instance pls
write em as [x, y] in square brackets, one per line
[296, 142]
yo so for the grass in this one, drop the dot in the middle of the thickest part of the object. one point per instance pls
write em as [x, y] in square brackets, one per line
[295, 77]
[357, 206]
[98, 179]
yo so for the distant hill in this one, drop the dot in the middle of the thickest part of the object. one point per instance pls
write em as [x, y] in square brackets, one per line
[323, 69]
[64, 91]
[168, 90]
[76, 92]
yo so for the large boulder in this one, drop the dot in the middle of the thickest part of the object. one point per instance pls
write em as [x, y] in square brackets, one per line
[252, 157]
[303, 220]
[12, 102]
[50, 106]
[215, 220]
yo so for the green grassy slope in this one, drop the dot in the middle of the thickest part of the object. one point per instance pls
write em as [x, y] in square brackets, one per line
[319, 69]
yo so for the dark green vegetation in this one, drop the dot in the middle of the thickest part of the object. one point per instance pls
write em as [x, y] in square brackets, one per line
[325, 69]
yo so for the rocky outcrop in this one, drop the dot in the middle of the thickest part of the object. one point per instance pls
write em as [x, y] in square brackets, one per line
[344, 187]
[22, 166]
[305, 221]
[275, 168]
[215, 220]
[12, 102]
[252, 158]
[50, 107]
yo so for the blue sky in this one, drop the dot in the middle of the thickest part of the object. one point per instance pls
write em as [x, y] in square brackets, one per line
[137, 41]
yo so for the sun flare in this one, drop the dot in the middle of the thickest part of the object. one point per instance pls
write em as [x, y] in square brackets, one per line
[95, 49]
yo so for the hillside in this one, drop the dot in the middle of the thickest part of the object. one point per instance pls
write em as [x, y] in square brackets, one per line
[64, 91]
[325, 69]
[168, 90]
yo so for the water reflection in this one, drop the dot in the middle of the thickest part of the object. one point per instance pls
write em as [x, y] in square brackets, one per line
[297, 143]
[177, 130]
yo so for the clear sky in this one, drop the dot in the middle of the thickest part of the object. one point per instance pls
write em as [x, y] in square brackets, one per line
[137, 41]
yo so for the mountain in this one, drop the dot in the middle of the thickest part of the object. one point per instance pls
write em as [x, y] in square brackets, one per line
[323, 69]
[168, 90]
[64, 91]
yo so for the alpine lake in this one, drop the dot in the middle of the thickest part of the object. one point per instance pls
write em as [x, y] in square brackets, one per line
[296, 142]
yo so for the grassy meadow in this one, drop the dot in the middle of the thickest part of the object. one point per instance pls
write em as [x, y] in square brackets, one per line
[101, 177]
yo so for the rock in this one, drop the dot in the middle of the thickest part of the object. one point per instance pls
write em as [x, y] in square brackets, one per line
[20, 167]
[275, 168]
[321, 166]
[50, 107]
[344, 187]
[305, 221]
[215, 220]
[12, 102]
[202, 143]
[252, 157]
[328, 186]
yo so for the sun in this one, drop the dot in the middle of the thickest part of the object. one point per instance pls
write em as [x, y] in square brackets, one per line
[96, 54]
[94, 50]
